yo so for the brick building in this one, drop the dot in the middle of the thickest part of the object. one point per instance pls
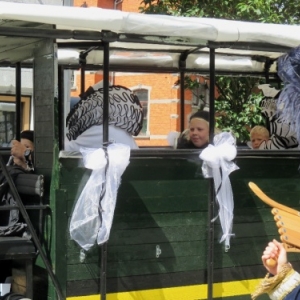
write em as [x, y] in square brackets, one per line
[158, 93]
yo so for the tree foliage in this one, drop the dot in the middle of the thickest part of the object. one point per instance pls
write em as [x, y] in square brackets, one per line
[238, 107]
[270, 11]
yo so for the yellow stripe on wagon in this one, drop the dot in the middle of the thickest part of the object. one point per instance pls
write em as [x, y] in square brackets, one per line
[193, 292]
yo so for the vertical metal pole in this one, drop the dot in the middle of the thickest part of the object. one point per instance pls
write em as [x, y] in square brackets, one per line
[105, 90]
[182, 66]
[212, 84]
[182, 113]
[60, 117]
[267, 69]
[18, 100]
[211, 200]
[82, 79]
[105, 141]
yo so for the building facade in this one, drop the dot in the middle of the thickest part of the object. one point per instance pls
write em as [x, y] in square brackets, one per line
[158, 93]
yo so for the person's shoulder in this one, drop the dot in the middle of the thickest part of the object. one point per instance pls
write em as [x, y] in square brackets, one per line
[184, 143]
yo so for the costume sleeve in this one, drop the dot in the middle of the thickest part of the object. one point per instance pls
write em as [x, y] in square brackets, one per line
[283, 286]
[276, 142]
[294, 294]
[287, 288]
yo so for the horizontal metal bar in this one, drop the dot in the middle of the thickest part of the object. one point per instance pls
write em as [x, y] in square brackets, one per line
[79, 45]
[162, 40]
[265, 47]
[185, 154]
[51, 33]
[151, 69]
[29, 207]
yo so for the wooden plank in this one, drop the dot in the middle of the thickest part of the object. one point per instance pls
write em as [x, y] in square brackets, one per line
[146, 220]
[143, 252]
[164, 203]
[138, 260]
[167, 188]
[155, 266]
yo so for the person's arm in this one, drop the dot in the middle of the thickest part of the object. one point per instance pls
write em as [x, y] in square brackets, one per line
[284, 280]
[18, 152]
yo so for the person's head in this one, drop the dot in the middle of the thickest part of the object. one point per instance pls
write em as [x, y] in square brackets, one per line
[199, 129]
[258, 134]
[27, 139]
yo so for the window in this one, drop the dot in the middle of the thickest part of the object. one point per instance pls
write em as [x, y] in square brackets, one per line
[8, 118]
[143, 95]
[200, 97]
[73, 81]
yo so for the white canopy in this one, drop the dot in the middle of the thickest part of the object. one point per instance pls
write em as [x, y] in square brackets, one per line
[140, 40]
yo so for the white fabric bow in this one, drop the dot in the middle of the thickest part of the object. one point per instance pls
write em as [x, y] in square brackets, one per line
[91, 219]
[217, 163]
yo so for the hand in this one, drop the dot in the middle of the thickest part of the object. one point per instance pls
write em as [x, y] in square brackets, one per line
[277, 252]
[17, 151]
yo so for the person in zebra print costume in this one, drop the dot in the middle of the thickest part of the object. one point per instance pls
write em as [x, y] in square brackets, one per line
[282, 135]
[85, 120]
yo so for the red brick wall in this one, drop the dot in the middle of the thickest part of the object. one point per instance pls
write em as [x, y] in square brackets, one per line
[125, 5]
[164, 97]
[163, 105]
[163, 101]
[130, 5]
[87, 3]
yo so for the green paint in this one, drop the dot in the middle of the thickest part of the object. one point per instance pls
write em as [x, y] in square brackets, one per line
[163, 202]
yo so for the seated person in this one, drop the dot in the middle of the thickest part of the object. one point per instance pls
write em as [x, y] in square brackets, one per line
[258, 135]
[85, 120]
[260, 139]
[23, 149]
[197, 135]
[282, 134]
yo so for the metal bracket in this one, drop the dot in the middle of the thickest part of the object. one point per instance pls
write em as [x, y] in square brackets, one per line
[158, 251]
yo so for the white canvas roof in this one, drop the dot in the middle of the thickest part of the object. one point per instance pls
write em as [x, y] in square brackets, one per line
[140, 40]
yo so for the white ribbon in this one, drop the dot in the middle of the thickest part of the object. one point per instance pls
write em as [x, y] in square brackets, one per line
[217, 163]
[89, 220]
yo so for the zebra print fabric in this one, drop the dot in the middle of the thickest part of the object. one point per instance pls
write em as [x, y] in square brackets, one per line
[281, 134]
[277, 142]
[125, 111]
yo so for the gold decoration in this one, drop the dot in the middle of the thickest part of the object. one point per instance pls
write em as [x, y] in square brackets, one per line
[268, 284]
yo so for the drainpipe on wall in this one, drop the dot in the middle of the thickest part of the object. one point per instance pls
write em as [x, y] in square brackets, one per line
[116, 3]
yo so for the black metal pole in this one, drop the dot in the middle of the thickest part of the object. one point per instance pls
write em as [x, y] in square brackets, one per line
[267, 70]
[182, 114]
[212, 84]
[18, 100]
[82, 79]
[105, 143]
[105, 91]
[182, 67]
[61, 109]
[211, 200]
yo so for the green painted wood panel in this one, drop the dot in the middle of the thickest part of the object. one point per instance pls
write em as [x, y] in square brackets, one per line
[163, 202]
